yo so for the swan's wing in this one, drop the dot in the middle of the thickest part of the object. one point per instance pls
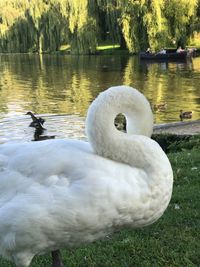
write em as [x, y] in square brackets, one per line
[46, 163]
[58, 192]
[66, 166]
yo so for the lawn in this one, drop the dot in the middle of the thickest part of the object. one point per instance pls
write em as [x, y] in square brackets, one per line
[173, 241]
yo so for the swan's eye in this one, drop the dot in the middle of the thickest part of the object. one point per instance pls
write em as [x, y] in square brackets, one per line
[120, 122]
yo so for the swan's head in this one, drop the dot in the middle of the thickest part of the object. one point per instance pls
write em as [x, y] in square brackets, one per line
[125, 100]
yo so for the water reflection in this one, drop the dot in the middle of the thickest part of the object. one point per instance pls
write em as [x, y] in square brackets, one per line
[54, 85]
[40, 136]
[16, 129]
[172, 83]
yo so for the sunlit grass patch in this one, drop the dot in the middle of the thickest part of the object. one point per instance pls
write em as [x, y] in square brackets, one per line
[195, 40]
[104, 47]
[64, 47]
[111, 49]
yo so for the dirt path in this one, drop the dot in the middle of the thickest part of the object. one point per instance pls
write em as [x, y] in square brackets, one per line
[191, 127]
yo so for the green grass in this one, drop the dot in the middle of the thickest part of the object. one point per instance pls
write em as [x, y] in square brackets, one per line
[175, 143]
[105, 47]
[111, 49]
[195, 41]
[173, 241]
[99, 48]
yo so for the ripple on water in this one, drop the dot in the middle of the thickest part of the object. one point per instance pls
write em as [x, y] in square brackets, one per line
[17, 128]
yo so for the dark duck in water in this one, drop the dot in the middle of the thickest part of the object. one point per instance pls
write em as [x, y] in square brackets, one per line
[185, 114]
[36, 122]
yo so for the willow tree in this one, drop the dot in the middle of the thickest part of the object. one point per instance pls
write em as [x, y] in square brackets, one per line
[82, 27]
[28, 26]
[51, 30]
[180, 15]
[13, 26]
[154, 23]
[109, 13]
[78, 28]
[198, 16]
[142, 23]
[43, 25]
[34, 14]
[49, 23]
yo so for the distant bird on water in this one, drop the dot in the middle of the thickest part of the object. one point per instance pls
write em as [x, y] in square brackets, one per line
[185, 114]
[36, 122]
[161, 106]
[39, 129]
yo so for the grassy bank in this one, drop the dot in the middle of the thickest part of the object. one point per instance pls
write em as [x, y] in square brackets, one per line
[113, 49]
[105, 49]
[173, 241]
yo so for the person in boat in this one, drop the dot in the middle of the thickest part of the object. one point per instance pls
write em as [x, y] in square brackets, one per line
[162, 51]
[148, 50]
[179, 50]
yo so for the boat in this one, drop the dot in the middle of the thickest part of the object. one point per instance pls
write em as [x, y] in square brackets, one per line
[170, 54]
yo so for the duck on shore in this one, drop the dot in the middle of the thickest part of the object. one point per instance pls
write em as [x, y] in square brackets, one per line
[185, 114]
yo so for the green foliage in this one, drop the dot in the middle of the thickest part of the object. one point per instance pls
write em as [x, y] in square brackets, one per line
[43, 26]
[180, 16]
[172, 143]
[142, 24]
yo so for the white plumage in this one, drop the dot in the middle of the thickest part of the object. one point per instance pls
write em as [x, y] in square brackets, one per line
[63, 193]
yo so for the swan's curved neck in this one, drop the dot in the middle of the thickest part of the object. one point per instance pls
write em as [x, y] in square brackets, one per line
[135, 148]
[105, 139]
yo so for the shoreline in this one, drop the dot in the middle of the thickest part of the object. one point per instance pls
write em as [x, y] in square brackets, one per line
[179, 128]
[107, 51]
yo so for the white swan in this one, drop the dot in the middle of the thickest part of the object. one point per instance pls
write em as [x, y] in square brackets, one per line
[59, 193]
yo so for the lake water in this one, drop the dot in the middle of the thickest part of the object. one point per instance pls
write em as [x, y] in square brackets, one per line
[60, 89]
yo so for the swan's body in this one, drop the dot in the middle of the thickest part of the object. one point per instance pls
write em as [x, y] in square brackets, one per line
[59, 193]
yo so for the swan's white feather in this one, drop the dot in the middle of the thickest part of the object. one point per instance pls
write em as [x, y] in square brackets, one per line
[58, 193]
